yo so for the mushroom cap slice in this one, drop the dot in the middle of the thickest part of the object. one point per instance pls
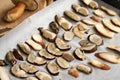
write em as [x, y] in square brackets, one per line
[53, 68]
[53, 50]
[17, 72]
[31, 78]
[116, 21]
[43, 75]
[18, 54]
[99, 64]
[46, 55]
[93, 4]
[68, 57]
[28, 68]
[62, 63]
[88, 22]
[104, 31]
[114, 47]
[99, 13]
[3, 74]
[68, 35]
[62, 45]
[54, 26]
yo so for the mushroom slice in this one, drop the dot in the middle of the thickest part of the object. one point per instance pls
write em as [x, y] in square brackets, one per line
[11, 58]
[3, 74]
[90, 48]
[68, 35]
[72, 15]
[50, 36]
[25, 48]
[62, 45]
[43, 53]
[68, 57]
[34, 45]
[38, 38]
[96, 39]
[116, 21]
[114, 47]
[31, 78]
[108, 24]
[99, 13]
[99, 64]
[93, 4]
[104, 31]
[36, 60]
[53, 68]
[3, 63]
[95, 18]
[84, 68]
[54, 26]
[53, 50]
[110, 57]
[73, 72]
[62, 63]
[79, 54]
[64, 23]
[88, 22]
[108, 11]
[18, 54]
[87, 2]
[83, 43]
[17, 72]
[28, 68]
[43, 75]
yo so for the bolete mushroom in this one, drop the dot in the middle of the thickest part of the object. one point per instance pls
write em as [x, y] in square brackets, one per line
[18, 10]
[116, 21]
[99, 13]
[18, 54]
[54, 26]
[67, 56]
[68, 35]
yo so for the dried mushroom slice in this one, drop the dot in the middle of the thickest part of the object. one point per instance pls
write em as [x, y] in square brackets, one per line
[114, 47]
[53, 68]
[36, 60]
[38, 38]
[72, 15]
[64, 23]
[99, 13]
[88, 22]
[84, 68]
[96, 19]
[34, 45]
[48, 35]
[73, 72]
[116, 21]
[25, 48]
[18, 54]
[43, 75]
[104, 31]
[43, 53]
[31, 78]
[87, 2]
[54, 26]
[53, 50]
[62, 63]
[68, 35]
[62, 45]
[79, 54]
[96, 39]
[93, 4]
[84, 43]
[3, 63]
[17, 72]
[3, 74]
[67, 56]
[99, 64]
[110, 57]
[108, 24]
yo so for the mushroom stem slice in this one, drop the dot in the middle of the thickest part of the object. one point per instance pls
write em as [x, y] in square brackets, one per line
[68, 35]
[54, 26]
[114, 47]
[116, 21]
[18, 54]
[74, 72]
[95, 18]
[3, 63]
[99, 13]
[99, 64]
[88, 22]
[93, 4]
[31, 78]
[68, 57]
[3, 74]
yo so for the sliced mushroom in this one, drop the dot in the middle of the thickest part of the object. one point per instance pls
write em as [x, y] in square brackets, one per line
[68, 57]
[43, 75]
[38, 38]
[18, 54]
[81, 27]
[73, 72]
[108, 24]
[31, 69]
[93, 4]
[68, 35]
[54, 26]
[53, 50]
[104, 31]
[43, 53]
[99, 13]
[96, 39]
[79, 54]
[36, 60]
[88, 22]
[64, 23]
[84, 43]
[31, 78]
[116, 21]
[108, 11]
[53, 68]
[3, 63]
[72, 15]
[62, 63]
[90, 48]
[84, 68]
[3, 74]
[11, 58]
[114, 47]
[95, 18]
[110, 57]
[99, 64]
[87, 2]
[17, 72]
[25, 48]
[50, 36]
[62, 45]
[34, 45]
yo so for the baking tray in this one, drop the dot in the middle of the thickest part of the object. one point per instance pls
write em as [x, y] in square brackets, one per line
[42, 19]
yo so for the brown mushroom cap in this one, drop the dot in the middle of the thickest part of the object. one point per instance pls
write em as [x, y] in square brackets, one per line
[30, 4]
